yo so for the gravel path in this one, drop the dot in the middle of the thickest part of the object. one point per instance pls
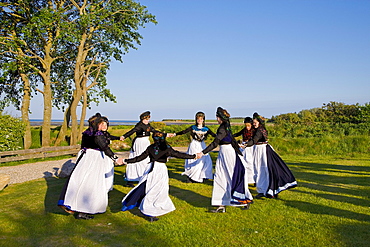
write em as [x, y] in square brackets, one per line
[28, 172]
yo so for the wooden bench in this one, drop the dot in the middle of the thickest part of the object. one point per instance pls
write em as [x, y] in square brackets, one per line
[26, 154]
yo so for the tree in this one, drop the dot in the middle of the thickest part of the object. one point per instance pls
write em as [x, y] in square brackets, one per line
[68, 46]
[32, 39]
[101, 30]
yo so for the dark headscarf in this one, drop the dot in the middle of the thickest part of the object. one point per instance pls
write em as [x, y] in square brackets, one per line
[159, 141]
[94, 121]
[259, 119]
[224, 116]
[145, 115]
[198, 115]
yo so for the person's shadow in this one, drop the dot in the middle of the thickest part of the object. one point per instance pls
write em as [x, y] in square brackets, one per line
[55, 182]
[54, 187]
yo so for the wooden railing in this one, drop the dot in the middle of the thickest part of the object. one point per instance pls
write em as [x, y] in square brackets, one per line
[26, 154]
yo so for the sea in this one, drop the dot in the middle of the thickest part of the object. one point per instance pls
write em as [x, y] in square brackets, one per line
[38, 122]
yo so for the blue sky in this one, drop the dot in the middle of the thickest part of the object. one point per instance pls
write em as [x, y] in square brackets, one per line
[272, 57]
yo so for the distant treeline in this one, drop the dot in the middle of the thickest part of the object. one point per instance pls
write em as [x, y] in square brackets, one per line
[332, 119]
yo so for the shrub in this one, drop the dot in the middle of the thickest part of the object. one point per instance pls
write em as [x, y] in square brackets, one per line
[11, 133]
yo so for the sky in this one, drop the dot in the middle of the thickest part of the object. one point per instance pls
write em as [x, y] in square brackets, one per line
[270, 57]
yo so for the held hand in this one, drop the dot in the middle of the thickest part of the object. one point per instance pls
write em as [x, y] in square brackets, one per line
[171, 134]
[121, 138]
[120, 161]
[199, 155]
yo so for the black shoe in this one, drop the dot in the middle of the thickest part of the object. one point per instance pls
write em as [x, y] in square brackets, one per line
[246, 207]
[152, 219]
[272, 197]
[260, 195]
[83, 216]
[220, 209]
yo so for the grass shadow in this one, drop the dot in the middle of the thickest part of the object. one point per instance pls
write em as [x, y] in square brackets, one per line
[54, 187]
[325, 210]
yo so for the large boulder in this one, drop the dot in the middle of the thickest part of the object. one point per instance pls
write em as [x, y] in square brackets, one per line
[66, 169]
[4, 180]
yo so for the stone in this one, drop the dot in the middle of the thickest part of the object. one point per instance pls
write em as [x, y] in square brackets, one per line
[118, 145]
[4, 181]
[66, 169]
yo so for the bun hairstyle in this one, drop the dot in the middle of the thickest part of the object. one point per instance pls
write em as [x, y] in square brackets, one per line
[198, 115]
[145, 115]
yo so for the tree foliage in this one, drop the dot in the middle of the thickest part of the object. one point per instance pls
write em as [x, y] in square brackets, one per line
[11, 133]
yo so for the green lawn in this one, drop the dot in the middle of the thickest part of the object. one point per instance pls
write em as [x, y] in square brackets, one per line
[330, 207]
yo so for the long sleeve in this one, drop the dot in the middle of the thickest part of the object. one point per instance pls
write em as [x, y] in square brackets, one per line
[132, 131]
[176, 154]
[141, 157]
[184, 131]
[239, 133]
[221, 134]
[103, 144]
[111, 137]
[210, 132]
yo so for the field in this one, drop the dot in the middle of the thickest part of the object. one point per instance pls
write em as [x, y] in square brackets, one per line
[330, 207]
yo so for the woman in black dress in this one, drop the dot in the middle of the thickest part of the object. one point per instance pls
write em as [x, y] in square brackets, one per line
[86, 190]
[230, 184]
[272, 174]
[151, 194]
[143, 130]
[198, 169]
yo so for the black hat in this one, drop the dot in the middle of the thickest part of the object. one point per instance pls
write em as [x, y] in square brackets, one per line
[145, 115]
[248, 120]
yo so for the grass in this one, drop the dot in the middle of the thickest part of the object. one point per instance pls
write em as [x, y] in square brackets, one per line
[330, 207]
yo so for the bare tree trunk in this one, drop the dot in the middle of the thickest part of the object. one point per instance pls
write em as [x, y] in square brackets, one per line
[77, 94]
[74, 122]
[27, 138]
[63, 129]
[83, 109]
[47, 115]
[48, 97]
